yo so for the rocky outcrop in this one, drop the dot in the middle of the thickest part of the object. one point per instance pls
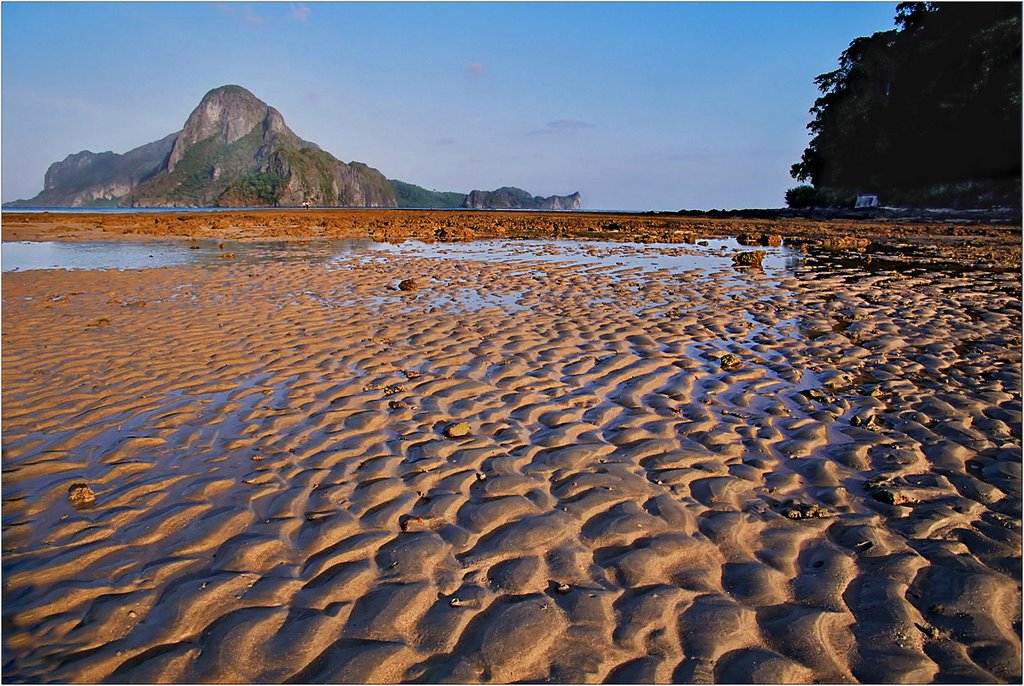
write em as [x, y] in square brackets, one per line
[562, 202]
[89, 179]
[225, 115]
[511, 198]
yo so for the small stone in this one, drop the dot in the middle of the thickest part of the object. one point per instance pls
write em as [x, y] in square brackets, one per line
[729, 361]
[864, 421]
[397, 405]
[457, 430]
[455, 602]
[256, 458]
[772, 239]
[563, 587]
[81, 495]
[797, 510]
[893, 497]
[882, 490]
[845, 243]
[813, 394]
[226, 255]
[751, 258]
[749, 239]
[408, 285]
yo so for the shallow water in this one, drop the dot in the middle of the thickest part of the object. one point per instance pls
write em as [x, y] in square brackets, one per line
[26, 255]
[29, 255]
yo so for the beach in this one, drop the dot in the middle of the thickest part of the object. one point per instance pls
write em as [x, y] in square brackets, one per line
[580, 461]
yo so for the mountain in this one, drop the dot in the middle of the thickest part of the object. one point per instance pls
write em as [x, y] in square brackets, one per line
[236, 151]
[88, 179]
[516, 198]
[413, 196]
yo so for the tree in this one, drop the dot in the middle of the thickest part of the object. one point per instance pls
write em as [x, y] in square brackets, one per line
[935, 101]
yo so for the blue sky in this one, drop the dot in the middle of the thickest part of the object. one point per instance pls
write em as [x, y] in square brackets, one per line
[637, 105]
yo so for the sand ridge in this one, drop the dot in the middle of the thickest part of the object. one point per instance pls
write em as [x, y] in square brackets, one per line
[276, 499]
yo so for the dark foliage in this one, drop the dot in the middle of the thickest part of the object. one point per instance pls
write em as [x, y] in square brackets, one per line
[801, 196]
[411, 195]
[931, 104]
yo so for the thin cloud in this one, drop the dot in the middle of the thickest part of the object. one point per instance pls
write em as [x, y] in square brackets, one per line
[476, 69]
[300, 13]
[446, 141]
[313, 98]
[243, 14]
[563, 126]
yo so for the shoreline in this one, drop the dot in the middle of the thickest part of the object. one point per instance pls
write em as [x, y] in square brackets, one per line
[968, 244]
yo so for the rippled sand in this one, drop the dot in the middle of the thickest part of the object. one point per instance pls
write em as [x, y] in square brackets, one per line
[276, 497]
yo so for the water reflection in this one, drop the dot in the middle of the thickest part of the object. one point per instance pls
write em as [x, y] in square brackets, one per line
[25, 255]
[710, 255]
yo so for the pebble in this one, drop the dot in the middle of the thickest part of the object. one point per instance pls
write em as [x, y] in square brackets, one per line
[749, 258]
[81, 495]
[457, 430]
[729, 361]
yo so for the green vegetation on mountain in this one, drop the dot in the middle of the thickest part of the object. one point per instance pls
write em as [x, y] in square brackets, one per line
[927, 113]
[254, 190]
[207, 169]
[413, 196]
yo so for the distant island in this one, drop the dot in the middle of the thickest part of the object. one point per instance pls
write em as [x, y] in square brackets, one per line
[236, 151]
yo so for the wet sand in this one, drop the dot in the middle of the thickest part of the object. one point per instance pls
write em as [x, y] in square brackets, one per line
[667, 476]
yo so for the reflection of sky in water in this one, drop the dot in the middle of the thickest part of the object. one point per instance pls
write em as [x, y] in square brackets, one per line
[23, 256]
[716, 255]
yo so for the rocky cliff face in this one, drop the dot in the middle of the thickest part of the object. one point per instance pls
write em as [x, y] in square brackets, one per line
[510, 198]
[88, 179]
[225, 115]
[562, 202]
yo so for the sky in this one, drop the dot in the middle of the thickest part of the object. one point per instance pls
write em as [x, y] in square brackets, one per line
[638, 106]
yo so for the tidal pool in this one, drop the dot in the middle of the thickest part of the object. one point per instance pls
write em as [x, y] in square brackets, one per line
[709, 255]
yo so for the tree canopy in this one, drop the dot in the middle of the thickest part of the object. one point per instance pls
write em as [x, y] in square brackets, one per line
[936, 100]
